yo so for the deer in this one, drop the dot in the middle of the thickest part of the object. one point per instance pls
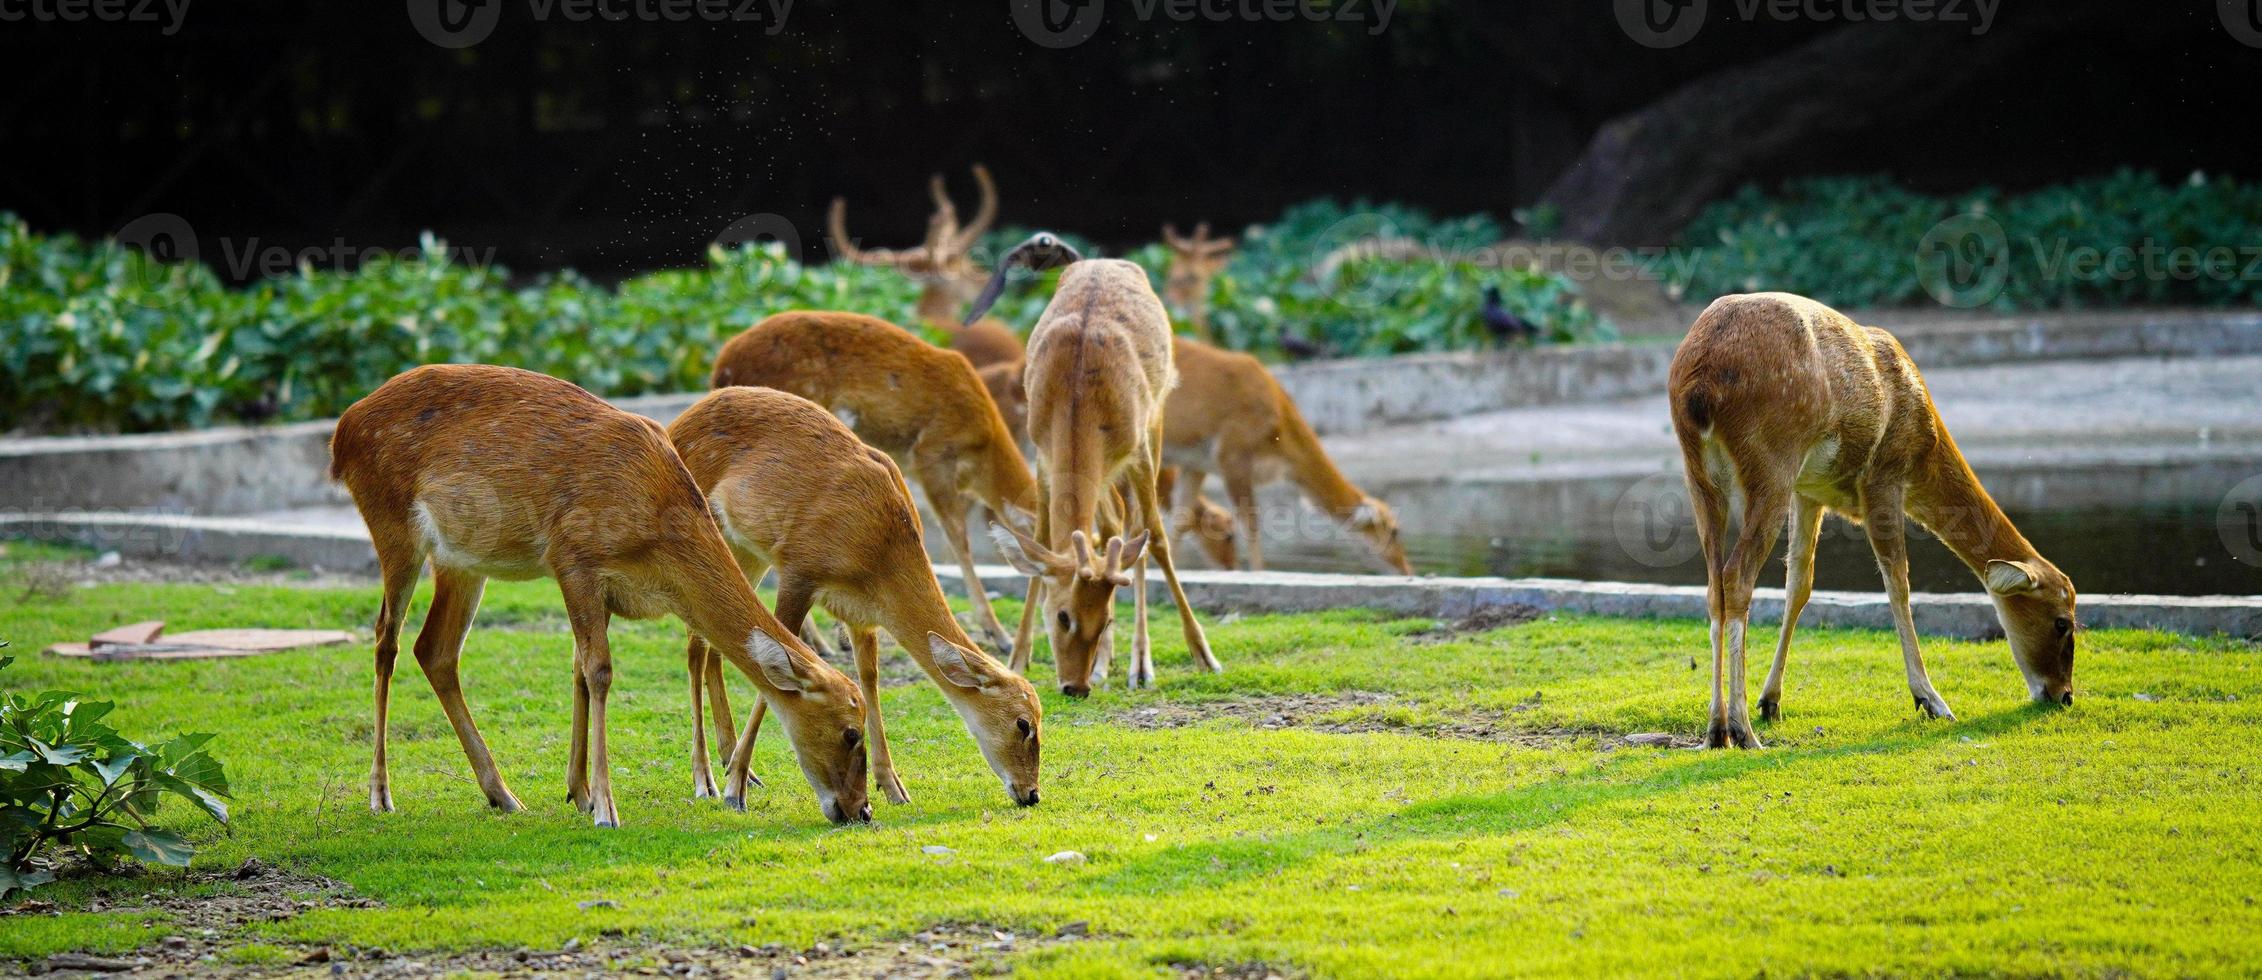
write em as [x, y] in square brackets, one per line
[1099, 369]
[1194, 262]
[494, 472]
[794, 489]
[1791, 407]
[918, 403]
[1230, 416]
[944, 267]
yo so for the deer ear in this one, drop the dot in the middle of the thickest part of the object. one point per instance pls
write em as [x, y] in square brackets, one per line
[1366, 515]
[776, 662]
[2012, 577]
[952, 662]
[1016, 550]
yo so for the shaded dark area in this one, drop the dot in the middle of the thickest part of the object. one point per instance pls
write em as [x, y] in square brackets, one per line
[619, 146]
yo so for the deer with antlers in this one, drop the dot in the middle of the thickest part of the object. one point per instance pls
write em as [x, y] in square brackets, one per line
[1099, 369]
[921, 404]
[493, 472]
[1194, 263]
[943, 265]
[795, 490]
[1789, 406]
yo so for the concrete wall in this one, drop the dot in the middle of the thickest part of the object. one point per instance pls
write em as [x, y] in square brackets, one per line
[248, 470]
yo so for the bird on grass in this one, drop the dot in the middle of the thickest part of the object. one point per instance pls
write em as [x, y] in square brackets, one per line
[1503, 324]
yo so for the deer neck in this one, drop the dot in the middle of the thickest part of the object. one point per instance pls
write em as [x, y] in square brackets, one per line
[713, 597]
[1311, 470]
[1945, 496]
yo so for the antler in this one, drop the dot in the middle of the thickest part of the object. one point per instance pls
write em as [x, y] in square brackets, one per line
[985, 214]
[836, 224]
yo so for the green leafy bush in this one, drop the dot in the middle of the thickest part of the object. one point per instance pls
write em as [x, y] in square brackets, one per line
[70, 784]
[2128, 238]
[97, 337]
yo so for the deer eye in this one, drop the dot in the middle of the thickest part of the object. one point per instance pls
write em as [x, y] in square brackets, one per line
[1064, 621]
[850, 737]
[2065, 626]
[1027, 731]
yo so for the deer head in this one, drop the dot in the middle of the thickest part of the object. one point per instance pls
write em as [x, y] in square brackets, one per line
[943, 264]
[1373, 520]
[2035, 602]
[1000, 708]
[1193, 263]
[1079, 595]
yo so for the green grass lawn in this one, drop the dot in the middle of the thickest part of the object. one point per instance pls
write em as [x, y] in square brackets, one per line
[2123, 835]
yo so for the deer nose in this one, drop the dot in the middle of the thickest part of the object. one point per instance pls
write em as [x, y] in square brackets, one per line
[864, 813]
[2066, 698]
[1076, 690]
[1030, 799]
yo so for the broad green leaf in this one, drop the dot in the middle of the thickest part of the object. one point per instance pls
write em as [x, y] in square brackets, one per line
[114, 767]
[61, 755]
[158, 846]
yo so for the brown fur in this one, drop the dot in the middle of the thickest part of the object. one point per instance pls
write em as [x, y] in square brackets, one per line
[1230, 415]
[498, 472]
[1194, 262]
[920, 404]
[795, 490]
[1098, 372]
[1801, 411]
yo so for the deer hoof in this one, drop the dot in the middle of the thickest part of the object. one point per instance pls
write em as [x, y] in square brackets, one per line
[380, 800]
[1770, 709]
[1934, 707]
[893, 787]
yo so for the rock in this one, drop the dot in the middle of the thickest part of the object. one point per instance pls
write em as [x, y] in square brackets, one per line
[598, 903]
[321, 954]
[109, 559]
[1650, 738]
[1066, 857]
[1078, 928]
[937, 849]
[176, 942]
[91, 964]
[2141, 696]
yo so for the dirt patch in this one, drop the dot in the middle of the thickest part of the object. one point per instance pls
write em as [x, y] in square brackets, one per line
[1482, 620]
[1355, 712]
[1233, 971]
[952, 950]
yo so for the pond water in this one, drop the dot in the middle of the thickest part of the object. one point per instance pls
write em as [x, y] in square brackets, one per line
[2181, 529]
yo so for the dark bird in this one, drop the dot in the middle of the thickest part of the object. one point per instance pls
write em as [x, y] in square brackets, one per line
[1299, 349]
[1503, 324]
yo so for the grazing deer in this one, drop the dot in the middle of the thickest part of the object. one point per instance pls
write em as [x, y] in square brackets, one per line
[794, 490]
[1099, 369]
[1802, 411]
[921, 404]
[944, 267]
[1193, 263]
[1230, 415]
[502, 473]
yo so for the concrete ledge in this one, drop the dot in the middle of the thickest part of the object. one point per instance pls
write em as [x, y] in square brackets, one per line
[1967, 615]
[244, 470]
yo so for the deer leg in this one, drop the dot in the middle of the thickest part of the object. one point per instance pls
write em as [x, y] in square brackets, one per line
[1709, 503]
[866, 640]
[1025, 636]
[455, 600]
[1766, 506]
[1798, 586]
[577, 760]
[392, 609]
[593, 661]
[950, 512]
[1143, 488]
[1241, 486]
[1882, 519]
[702, 774]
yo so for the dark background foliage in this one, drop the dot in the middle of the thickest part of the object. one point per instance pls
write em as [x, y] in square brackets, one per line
[615, 147]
